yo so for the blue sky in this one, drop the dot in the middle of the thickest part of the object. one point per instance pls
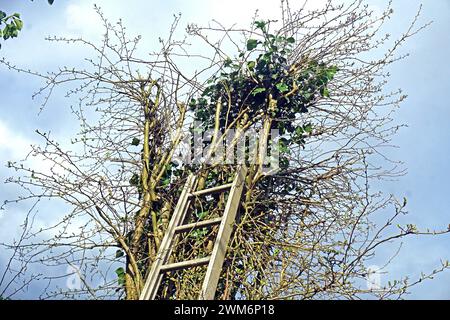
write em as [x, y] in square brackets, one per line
[424, 146]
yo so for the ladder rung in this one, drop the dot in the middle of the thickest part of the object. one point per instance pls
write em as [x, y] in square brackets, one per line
[185, 264]
[199, 224]
[212, 190]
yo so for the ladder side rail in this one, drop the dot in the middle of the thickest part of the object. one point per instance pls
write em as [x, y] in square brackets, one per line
[223, 236]
[154, 278]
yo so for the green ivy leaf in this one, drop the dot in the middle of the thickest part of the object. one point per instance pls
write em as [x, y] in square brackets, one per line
[282, 87]
[260, 25]
[202, 214]
[135, 179]
[308, 128]
[135, 142]
[258, 90]
[299, 131]
[119, 253]
[166, 182]
[290, 40]
[199, 234]
[251, 65]
[121, 276]
[19, 24]
[307, 95]
[227, 62]
[331, 72]
[192, 103]
[251, 44]
[120, 271]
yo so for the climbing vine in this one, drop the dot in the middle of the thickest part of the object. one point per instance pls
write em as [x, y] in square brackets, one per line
[263, 70]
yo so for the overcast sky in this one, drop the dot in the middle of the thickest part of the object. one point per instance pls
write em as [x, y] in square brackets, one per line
[424, 76]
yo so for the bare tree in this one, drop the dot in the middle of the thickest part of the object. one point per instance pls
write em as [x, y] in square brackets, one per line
[305, 231]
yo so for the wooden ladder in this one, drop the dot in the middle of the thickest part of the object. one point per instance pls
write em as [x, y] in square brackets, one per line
[176, 227]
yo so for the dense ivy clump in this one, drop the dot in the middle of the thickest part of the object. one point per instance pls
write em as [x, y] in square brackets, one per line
[249, 83]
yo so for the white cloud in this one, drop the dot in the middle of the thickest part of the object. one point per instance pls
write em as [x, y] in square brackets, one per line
[228, 13]
[377, 11]
[241, 12]
[12, 144]
[15, 147]
[315, 4]
[82, 18]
